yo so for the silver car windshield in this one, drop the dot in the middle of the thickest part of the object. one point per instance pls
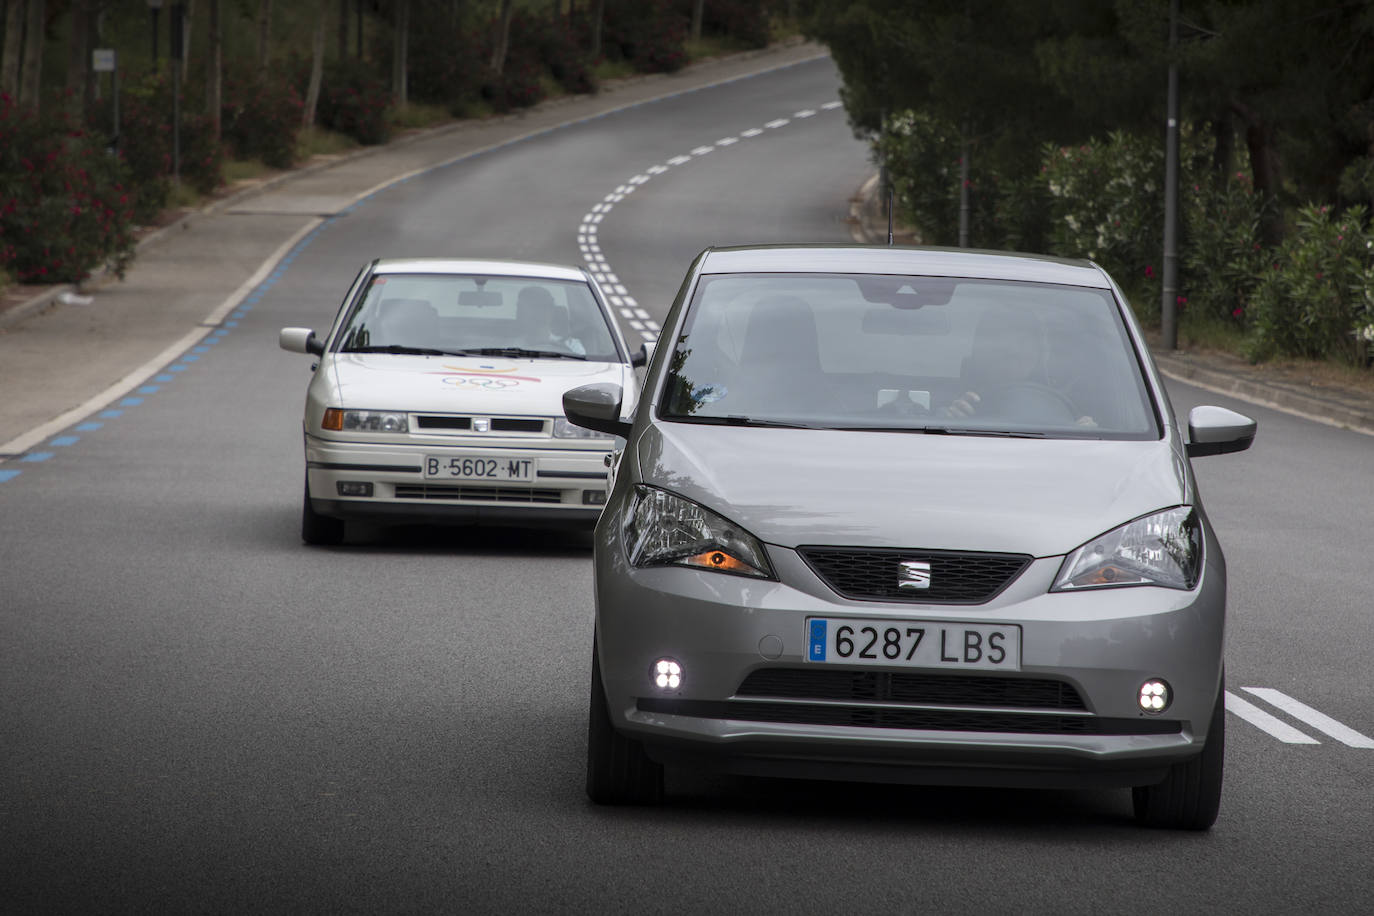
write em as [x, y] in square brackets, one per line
[454, 315]
[927, 354]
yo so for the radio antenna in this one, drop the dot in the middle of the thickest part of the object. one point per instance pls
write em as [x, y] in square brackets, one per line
[889, 215]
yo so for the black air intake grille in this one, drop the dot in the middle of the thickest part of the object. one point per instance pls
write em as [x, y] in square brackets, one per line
[478, 494]
[823, 683]
[875, 574]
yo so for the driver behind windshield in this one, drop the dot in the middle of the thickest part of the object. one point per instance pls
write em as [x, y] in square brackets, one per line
[1006, 371]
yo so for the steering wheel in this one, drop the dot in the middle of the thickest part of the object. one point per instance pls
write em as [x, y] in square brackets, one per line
[1030, 400]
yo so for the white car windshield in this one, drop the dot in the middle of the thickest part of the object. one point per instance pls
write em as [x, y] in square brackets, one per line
[932, 354]
[454, 315]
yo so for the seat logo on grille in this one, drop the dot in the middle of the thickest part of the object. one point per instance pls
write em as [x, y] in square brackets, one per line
[913, 574]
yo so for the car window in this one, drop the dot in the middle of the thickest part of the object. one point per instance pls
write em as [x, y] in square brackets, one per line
[906, 352]
[453, 313]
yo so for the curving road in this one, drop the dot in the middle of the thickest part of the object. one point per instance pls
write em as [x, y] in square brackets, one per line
[202, 715]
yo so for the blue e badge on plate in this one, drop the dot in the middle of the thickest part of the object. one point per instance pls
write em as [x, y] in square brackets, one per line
[816, 644]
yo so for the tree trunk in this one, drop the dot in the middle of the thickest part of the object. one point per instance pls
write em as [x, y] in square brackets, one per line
[502, 43]
[698, 9]
[79, 55]
[312, 95]
[399, 47]
[343, 29]
[31, 70]
[264, 34]
[214, 71]
[1264, 165]
[14, 47]
[598, 14]
[1223, 146]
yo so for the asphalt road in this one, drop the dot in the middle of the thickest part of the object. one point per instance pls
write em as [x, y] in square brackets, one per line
[200, 714]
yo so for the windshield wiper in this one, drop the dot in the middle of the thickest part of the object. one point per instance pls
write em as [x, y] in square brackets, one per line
[738, 420]
[399, 348]
[521, 352]
[946, 431]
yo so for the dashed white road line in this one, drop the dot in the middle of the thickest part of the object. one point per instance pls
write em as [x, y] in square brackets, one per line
[587, 231]
[1318, 720]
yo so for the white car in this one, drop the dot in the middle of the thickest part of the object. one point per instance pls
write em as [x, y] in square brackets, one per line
[438, 397]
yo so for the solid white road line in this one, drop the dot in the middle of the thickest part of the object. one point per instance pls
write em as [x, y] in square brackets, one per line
[1265, 722]
[1320, 721]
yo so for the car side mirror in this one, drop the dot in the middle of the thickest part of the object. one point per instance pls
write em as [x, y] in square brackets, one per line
[1218, 431]
[596, 407]
[300, 340]
[642, 356]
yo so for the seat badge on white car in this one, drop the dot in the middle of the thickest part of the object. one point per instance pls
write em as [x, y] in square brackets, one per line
[913, 574]
[481, 425]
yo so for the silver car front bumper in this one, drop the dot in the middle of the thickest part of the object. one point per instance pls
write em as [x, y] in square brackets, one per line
[1103, 644]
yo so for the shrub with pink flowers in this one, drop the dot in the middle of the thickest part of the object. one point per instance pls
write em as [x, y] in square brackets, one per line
[65, 207]
[1317, 297]
[650, 34]
[261, 116]
[354, 101]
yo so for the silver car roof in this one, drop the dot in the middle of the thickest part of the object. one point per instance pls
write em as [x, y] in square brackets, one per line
[490, 268]
[932, 262]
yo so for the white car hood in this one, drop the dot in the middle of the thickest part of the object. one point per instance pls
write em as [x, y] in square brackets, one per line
[1041, 497]
[462, 385]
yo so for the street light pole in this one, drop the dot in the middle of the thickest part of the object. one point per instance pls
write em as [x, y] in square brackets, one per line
[1168, 304]
[154, 8]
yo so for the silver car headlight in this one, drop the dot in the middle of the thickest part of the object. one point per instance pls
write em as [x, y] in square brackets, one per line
[1161, 549]
[666, 530]
[368, 421]
[562, 429]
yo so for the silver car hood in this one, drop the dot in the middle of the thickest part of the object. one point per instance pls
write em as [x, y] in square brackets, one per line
[1042, 497]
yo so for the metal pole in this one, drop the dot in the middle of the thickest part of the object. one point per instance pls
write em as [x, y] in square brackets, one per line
[964, 203]
[1168, 303]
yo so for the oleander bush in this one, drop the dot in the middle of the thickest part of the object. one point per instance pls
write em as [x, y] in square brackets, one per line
[145, 143]
[354, 101]
[1317, 297]
[261, 117]
[65, 206]
[650, 34]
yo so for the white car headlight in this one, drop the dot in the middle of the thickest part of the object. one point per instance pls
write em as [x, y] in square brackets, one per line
[1161, 549]
[666, 530]
[368, 421]
[562, 429]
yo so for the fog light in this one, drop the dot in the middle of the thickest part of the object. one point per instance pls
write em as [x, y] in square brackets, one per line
[593, 497]
[354, 488]
[667, 674]
[1155, 696]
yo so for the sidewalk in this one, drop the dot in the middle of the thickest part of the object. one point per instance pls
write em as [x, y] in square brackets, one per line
[62, 358]
[1291, 390]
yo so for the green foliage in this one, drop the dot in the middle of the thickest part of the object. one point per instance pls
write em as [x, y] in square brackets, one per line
[650, 34]
[261, 117]
[1222, 258]
[1105, 202]
[145, 144]
[354, 101]
[1317, 299]
[64, 202]
[746, 23]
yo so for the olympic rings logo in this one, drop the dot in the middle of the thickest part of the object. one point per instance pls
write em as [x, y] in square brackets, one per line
[486, 383]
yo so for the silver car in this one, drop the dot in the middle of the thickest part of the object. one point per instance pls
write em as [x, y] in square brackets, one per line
[907, 515]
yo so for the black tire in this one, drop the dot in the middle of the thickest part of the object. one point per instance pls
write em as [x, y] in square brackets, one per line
[1190, 796]
[319, 529]
[618, 770]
